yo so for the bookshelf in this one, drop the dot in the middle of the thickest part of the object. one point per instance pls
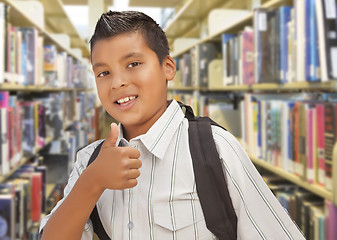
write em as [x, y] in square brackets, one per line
[57, 21]
[52, 113]
[35, 18]
[22, 161]
[266, 123]
[195, 7]
[320, 191]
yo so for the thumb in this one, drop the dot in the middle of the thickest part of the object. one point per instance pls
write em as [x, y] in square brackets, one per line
[113, 135]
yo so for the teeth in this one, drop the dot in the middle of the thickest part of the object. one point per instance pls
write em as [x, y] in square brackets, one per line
[123, 100]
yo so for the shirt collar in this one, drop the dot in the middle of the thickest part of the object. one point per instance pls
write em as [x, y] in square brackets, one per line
[158, 137]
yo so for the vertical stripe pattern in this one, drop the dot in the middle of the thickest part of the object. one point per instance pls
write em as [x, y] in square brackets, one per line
[149, 199]
[173, 177]
[195, 224]
[165, 204]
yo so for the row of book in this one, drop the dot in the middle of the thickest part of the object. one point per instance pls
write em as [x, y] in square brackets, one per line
[317, 218]
[27, 60]
[287, 44]
[292, 132]
[22, 201]
[28, 122]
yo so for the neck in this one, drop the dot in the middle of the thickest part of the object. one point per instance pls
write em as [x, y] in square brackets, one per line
[132, 131]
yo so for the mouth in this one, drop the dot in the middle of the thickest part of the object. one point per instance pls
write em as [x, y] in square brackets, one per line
[126, 101]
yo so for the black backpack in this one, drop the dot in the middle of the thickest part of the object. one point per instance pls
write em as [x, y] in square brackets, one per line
[211, 184]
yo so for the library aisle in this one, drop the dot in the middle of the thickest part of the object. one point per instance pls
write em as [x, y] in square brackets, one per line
[263, 69]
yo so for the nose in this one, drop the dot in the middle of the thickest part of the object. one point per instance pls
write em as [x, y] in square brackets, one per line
[117, 82]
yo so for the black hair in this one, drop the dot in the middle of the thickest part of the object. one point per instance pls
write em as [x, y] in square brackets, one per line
[113, 23]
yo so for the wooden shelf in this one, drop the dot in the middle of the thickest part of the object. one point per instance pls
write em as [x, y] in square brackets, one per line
[23, 160]
[230, 88]
[296, 86]
[32, 88]
[331, 85]
[185, 19]
[320, 191]
[57, 21]
[49, 189]
[188, 88]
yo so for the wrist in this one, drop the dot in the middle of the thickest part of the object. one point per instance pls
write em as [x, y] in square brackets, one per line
[91, 182]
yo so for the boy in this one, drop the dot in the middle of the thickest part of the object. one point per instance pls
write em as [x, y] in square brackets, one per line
[142, 179]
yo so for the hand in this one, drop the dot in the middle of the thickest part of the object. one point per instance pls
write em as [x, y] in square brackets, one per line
[115, 167]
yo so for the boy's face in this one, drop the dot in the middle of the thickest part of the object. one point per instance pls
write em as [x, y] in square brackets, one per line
[130, 81]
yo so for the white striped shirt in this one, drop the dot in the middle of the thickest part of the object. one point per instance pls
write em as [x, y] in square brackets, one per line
[165, 205]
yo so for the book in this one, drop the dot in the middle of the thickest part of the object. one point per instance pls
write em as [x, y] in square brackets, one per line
[2, 40]
[50, 58]
[329, 141]
[225, 58]
[300, 54]
[320, 144]
[247, 56]
[202, 55]
[265, 46]
[19, 207]
[327, 31]
[187, 75]
[310, 144]
[5, 164]
[7, 216]
[28, 133]
[16, 130]
[284, 15]
[30, 37]
[314, 66]
[331, 220]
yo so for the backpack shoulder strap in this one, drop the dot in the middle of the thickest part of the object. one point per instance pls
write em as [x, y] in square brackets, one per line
[94, 217]
[210, 179]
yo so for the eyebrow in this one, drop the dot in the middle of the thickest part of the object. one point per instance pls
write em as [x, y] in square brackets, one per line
[126, 56]
[132, 54]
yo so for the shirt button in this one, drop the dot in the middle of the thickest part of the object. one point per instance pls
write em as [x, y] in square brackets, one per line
[130, 225]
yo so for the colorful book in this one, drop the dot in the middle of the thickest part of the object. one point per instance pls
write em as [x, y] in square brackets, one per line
[329, 141]
[5, 164]
[331, 220]
[320, 144]
[30, 38]
[247, 56]
[310, 144]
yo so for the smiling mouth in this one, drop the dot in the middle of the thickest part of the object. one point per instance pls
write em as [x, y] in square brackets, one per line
[126, 100]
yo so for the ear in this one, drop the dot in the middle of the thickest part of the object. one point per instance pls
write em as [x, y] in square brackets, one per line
[169, 67]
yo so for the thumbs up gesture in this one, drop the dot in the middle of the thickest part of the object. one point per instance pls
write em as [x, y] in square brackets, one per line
[115, 167]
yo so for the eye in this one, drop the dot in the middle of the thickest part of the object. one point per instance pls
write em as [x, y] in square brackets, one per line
[134, 64]
[102, 74]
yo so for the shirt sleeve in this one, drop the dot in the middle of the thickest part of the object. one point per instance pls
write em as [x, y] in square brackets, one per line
[260, 215]
[82, 158]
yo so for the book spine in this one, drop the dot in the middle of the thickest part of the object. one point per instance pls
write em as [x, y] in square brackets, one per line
[309, 149]
[320, 144]
[329, 141]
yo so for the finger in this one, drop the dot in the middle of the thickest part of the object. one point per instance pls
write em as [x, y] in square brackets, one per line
[113, 136]
[133, 152]
[131, 183]
[133, 174]
[134, 163]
